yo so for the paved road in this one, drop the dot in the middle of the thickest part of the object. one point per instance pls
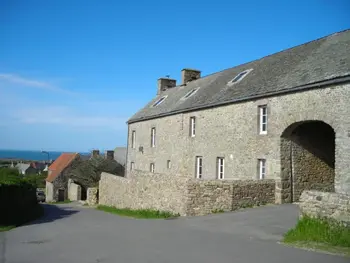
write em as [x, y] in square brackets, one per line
[76, 234]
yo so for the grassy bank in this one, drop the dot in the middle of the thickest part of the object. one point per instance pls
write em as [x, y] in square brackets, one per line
[322, 234]
[6, 228]
[142, 213]
[60, 202]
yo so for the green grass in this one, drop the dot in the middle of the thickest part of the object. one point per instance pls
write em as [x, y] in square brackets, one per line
[217, 211]
[6, 228]
[142, 213]
[323, 234]
[60, 202]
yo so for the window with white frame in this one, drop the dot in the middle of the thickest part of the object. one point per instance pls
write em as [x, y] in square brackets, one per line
[263, 119]
[220, 168]
[199, 167]
[159, 101]
[151, 167]
[190, 93]
[193, 126]
[240, 76]
[168, 164]
[153, 137]
[262, 168]
[132, 166]
[133, 139]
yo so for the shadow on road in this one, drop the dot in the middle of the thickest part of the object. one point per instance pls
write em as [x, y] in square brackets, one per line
[54, 212]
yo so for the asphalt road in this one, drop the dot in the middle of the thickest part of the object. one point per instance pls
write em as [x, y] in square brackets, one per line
[73, 234]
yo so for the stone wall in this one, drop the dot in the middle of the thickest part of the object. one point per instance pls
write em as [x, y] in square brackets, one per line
[74, 191]
[92, 196]
[49, 193]
[232, 132]
[144, 190]
[323, 204]
[208, 196]
[180, 195]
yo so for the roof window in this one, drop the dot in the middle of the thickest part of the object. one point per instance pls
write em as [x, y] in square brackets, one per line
[240, 76]
[159, 101]
[190, 93]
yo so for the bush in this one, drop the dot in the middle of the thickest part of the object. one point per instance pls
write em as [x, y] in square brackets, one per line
[18, 203]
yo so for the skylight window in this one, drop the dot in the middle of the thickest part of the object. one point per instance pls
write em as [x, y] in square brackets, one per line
[240, 76]
[190, 93]
[159, 101]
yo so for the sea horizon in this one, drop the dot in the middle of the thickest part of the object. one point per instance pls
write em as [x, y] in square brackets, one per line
[35, 155]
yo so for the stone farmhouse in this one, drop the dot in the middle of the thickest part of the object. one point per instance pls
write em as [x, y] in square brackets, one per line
[59, 185]
[284, 118]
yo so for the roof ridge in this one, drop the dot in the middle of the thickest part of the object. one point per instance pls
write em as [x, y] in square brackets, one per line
[282, 51]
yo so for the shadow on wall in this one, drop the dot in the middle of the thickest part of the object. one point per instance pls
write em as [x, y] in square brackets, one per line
[53, 213]
[318, 138]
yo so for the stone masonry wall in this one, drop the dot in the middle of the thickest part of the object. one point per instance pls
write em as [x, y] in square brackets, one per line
[232, 132]
[323, 204]
[144, 190]
[180, 195]
[92, 196]
[74, 191]
[208, 196]
[310, 173]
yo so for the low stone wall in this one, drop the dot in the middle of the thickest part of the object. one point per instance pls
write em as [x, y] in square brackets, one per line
[144, 190]
[208, 196]
[92, 196]
[74, 191]
[325, 204]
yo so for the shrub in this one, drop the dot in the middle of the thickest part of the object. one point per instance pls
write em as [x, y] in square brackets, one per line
[18, 203]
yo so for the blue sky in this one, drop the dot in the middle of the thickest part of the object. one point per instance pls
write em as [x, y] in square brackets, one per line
[73, 72]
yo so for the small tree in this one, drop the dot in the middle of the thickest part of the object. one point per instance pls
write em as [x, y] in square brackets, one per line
[88, 173]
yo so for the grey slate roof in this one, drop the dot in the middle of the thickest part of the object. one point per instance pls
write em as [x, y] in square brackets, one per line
[292, 69]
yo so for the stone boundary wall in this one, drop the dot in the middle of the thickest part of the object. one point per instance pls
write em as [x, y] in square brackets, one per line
[92, 196]
[325, 204]
[144, 190]
[210, 196]
[74, 191]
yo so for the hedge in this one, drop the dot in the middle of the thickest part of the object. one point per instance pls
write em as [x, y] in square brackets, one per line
[18, 203]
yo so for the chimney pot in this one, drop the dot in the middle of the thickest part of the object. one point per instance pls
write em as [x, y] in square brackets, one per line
[95, 153]
[188, 75]
[109, 155]
[164, 84]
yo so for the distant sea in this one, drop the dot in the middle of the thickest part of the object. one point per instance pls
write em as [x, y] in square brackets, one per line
[28, 155]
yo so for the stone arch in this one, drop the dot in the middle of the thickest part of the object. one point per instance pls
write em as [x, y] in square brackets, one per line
[307, 160]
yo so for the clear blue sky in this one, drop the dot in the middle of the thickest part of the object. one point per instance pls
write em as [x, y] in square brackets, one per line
[73, 72]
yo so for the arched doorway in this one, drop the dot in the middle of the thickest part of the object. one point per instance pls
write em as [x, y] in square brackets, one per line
[307, 159]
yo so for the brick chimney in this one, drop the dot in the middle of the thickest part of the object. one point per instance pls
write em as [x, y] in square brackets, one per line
[95, 153]
[109, 155]
[188, 75]
[164, 84]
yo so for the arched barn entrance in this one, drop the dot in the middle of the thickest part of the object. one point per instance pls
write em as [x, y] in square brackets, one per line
[307, 159]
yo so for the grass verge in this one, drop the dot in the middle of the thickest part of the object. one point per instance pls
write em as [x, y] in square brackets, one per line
[60, 202]
[6, 228]
[320, 234]
[142, 213]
